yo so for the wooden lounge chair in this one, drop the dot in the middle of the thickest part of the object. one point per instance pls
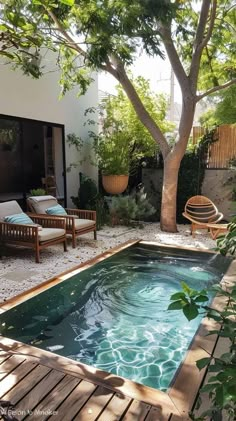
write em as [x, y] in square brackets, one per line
[217, 229]
[78, 221]
[201, 211]
[46, 231]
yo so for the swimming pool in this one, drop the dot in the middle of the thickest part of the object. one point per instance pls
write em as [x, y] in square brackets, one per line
[114, 315]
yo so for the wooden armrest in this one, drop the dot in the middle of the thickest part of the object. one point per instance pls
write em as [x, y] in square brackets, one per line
[20, 227]
[48, 221]
[190, 218]
[219, 217]
[213, 220]
[82, 213]
[193, 220]
[18, 232]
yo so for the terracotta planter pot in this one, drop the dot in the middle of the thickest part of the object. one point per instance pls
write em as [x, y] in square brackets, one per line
[115, 184]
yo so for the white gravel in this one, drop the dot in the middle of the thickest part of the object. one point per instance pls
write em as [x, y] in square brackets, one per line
[19, 272]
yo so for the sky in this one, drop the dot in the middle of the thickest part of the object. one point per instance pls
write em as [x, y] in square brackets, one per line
[155, 69]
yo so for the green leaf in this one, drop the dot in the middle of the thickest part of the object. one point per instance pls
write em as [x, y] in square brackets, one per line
[203, 362]
[190, 311]
[3, 27]
[209, 387]
[186, 288]
[176, 305]
[201, 299]
[177, 296]
[221, 396]
[227, 357]
[67, 2]
[232, 392]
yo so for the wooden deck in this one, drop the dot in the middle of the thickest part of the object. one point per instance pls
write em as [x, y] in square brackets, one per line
[39, 392]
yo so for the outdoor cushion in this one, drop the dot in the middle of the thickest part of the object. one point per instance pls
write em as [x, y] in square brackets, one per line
[83, 223]
[50, 233]
[56, 210]
[19, 218]
[39, 204]
[9, 208]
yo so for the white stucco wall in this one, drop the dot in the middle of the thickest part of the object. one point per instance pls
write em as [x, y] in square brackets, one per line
[23, 96]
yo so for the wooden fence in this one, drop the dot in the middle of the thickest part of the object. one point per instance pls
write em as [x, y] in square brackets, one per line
[221, 151]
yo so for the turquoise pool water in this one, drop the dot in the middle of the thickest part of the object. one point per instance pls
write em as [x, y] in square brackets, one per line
[114, 315]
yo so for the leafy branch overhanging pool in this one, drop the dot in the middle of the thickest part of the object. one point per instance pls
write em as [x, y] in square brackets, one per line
[114, 315]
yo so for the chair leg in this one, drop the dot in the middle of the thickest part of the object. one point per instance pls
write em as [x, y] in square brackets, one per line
[37, 258]
[65, 244]
[95, 234]
[73, 240]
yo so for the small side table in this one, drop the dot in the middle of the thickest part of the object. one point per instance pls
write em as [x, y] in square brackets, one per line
[216, 229]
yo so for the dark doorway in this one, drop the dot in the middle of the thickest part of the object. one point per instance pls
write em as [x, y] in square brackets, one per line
[30, 152]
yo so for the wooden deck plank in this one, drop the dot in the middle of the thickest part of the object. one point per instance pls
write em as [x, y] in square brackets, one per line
[51, 402]
[95, 405]
[180, 418]
[3, 356]
[10, 364]
[115, 408]
[93, 375]
[69, 408]
[16, 376]
[137, 411]
[156, 414]
[25, 385]
[40, 390]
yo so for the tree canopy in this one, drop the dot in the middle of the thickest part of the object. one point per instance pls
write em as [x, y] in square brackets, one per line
[120, 113]
[224, 110]
[198, 37]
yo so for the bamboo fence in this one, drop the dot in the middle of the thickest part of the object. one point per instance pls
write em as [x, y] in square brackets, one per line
[223, 150]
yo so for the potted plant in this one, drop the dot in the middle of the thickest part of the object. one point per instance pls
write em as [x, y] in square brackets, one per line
[112, 150]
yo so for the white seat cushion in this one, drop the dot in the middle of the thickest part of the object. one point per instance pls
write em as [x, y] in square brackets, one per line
[83, 223]
[9, 208]
[47, 234]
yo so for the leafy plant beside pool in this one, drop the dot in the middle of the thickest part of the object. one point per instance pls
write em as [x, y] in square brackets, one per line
[221, 385]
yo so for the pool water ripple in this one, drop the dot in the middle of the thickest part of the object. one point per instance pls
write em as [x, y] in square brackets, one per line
[114, 315]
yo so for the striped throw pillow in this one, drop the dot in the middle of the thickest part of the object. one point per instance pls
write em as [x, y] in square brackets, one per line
[19, 218]
[56, 210]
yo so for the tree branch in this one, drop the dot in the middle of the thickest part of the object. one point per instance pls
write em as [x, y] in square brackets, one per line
[200, 41]
[71, 41]
[116, 69]
[173, 56]
[215, 89]
[211, 25]
[107, 67]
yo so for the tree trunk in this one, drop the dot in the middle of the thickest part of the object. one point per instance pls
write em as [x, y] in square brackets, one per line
[171, 156]
[169, 194]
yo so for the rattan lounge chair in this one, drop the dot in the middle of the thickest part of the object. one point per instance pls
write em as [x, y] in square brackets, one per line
[46, 231]
[200, 211]
[78, 221]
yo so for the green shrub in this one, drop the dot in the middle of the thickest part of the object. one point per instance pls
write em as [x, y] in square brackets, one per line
[89, 198]
[123, 209]
[221, 386]
[38, 192]
[144, 207]
[227, 243]
[113, 152]
[135, 206]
